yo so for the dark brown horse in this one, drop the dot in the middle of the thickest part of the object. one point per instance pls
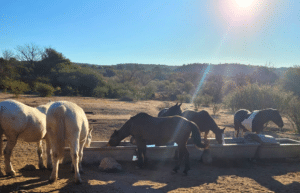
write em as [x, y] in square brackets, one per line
[205, 123]
[262, 117]
[159, 131]
[174, 110]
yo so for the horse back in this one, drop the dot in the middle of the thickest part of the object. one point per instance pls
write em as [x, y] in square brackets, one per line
[241, 115]
[26, 122]
[158, 130]
[202, 119]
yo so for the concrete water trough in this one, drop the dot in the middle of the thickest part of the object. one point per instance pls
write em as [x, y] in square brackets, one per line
[234, 148]
[285, 148]
[125, 152]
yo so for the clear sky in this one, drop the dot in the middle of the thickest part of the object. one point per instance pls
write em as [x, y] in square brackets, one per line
[172, 32]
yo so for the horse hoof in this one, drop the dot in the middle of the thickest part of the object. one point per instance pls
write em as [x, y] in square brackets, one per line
[11, 174]
[79, 181]
[52, 180]
[42, 167]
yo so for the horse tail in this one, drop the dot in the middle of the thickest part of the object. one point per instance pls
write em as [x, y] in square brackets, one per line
[196, 136]
[60, 117]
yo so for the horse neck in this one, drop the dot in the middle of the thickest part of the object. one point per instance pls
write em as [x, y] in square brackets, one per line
[125, 131]
[214, 128]
[265, 116]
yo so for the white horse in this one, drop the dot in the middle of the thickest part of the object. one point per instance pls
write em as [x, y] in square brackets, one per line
[19, 121]
[67, 124]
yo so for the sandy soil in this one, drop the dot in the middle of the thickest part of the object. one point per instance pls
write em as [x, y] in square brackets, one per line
[106, 115]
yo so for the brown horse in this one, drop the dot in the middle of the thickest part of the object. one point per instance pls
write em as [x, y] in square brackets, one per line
[205, 123]
[159, 131]
[203, 120]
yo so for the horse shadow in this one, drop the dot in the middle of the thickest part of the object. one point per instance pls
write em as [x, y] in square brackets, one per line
[159, 172]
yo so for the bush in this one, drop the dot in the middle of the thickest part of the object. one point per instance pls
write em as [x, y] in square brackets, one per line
[44, 90]
[18, 87]
[254, 97]
[126, 98]
[216, 108]
[100, 92]
[184, 98]
[197, 103]
[293, 113]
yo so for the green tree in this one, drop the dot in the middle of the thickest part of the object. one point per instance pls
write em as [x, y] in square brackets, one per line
[291, 80]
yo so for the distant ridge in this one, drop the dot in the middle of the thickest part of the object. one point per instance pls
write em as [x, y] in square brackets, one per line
[226, 70]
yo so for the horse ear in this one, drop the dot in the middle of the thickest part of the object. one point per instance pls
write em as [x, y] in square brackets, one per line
[224, 129]
[176, 104]
[180, 104]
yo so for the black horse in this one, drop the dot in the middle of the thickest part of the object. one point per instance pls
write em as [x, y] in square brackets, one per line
[203, 120]
[262, 117]
[174, 110]
[205, 123]
[159, 130]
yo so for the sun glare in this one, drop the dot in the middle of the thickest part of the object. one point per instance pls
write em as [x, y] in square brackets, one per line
[244, 3]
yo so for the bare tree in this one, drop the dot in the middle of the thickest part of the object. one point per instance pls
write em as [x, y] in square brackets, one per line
[7, 54]
[29, 53]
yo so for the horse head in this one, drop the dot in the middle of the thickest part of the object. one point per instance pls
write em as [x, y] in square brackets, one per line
[276, 118]
[174, 110]
[219, 135]
[89, 138]
[114, 139]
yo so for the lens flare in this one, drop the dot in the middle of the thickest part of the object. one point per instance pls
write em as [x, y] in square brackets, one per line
[244, 3]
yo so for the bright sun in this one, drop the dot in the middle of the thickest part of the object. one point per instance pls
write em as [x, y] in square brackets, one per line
[244, 3]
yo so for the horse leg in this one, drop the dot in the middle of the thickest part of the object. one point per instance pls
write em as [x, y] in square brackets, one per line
[11, 143]
[40, 154]
[186, 161]
[205, 136]
[49, 161]
[177, 167]
[1, 140]
[55, 165]
[141, 145]
[80, 156]
[74, 150]
[237, 130]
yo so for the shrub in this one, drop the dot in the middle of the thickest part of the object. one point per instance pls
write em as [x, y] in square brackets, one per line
[44, 90]
[184, 98]
[18, 87]
[293, 113]
[216, 108]
[197, 103]
[100, 92]
[254, 97]
[126, 98]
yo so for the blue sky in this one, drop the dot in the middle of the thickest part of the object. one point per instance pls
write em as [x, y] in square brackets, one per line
[169, 32]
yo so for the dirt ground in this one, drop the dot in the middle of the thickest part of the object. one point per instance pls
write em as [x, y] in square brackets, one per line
[106, 115]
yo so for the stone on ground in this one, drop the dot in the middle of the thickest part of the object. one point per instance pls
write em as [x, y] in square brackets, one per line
[109, 164]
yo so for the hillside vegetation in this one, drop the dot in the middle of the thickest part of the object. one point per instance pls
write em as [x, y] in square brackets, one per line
[48, 72]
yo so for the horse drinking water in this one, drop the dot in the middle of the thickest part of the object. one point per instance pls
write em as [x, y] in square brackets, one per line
[257, 123]
[159, 131]
[202, 119]
[21, 122]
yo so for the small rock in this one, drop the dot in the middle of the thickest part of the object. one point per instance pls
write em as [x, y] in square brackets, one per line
[29, 167]
[109, 164]
[206, 157]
